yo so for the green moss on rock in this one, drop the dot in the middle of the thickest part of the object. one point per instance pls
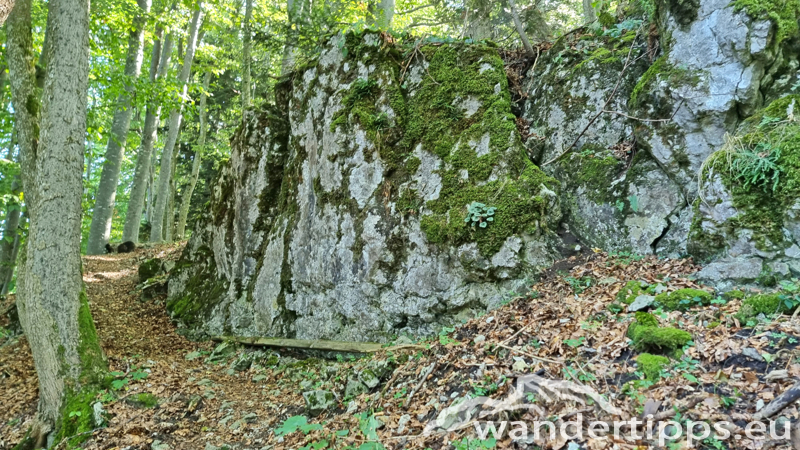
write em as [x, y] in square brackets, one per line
[149, 269]
[766, 304]
[143, 400]
[683, 299]
[783, 14]
[761, 169]
[651, 365]
[735, 294]
[630, 291]
[660, 340]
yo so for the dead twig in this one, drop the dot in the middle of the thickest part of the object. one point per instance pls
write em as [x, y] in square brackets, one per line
[425, 374]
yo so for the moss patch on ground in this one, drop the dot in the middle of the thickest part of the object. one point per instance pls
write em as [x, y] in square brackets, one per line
[651, 365]
[633, 289]
[683, 299]
[649, 336]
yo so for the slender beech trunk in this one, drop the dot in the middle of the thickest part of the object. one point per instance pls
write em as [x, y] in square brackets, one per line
[52, 305]
[198, 154]
[521, 30]
[159, 67]
[294, 10]
[100, 230]
[589, 14]
[246, 93]
[175, 116]
[380, 13]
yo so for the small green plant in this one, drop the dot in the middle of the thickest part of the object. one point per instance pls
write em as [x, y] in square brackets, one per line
[574, 343]
[469, 443]
[579, 284]
[295, 423]
[479, 215]
[444, 339]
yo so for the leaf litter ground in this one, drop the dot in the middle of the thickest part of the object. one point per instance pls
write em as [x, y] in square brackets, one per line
[562, 330]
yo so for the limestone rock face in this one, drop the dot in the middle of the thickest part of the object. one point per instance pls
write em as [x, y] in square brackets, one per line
[341, 213]
[636, 112]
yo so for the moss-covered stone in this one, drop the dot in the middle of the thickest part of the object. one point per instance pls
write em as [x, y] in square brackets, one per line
[143, 400]
[683, 299]
[661, 70]
[761, 170]
[783, 13]
[651, 365]
[736, 294]
[149, 269]
[631, 290]
[660, 340]
[642, 319]
[766, 304]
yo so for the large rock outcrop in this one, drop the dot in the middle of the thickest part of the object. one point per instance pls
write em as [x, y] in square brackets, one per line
[703, 67]
[341, 214]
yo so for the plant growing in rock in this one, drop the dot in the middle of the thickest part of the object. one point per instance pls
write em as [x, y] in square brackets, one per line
[479, 215]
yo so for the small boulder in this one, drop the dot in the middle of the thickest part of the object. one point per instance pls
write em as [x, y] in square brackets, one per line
[368, 378]
[354, 388]
[318, 401]
[641, 302]
[222, 352]
[149, 269]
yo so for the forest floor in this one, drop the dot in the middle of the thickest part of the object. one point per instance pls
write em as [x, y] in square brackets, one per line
[172, 393]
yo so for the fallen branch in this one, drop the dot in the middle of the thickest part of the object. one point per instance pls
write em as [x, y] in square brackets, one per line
[780, 402]
[516, 350]
[429, 371]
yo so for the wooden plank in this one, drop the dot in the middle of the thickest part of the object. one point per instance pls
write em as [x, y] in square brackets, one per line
[333, 346]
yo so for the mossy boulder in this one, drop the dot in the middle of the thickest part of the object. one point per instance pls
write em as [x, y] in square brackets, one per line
[142, 400]
[750, 208]
[683, 299]
[648, 336]
[149, 269]
[341, 212]
[660, 340]
[631, 290]
[651, 365]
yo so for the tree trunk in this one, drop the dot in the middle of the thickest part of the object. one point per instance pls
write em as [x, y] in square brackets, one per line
[175, 117]
[246, 95]
[521, 30]
[159, 66]
[53, 310]
[380, 14]
[100, 229]
[589, 15]
[294, 10]
[10, 231]
[198, 154]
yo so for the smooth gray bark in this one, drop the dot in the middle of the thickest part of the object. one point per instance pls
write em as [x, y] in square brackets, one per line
[49, 297]
[521, 30]
[100, 229]
[589, 14]
[198, 154]
[294, 11]
[175, 116]
[159, 66]
[246, 81]
[380, 13]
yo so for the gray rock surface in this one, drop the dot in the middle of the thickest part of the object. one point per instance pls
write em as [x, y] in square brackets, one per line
[325, 227]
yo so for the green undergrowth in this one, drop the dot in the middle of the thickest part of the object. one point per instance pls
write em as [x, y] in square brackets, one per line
[761, 168]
